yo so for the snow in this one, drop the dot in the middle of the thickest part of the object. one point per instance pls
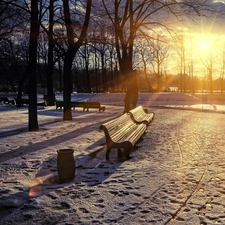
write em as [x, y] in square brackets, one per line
[176, 174]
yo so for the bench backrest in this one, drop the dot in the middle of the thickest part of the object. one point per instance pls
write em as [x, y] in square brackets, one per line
[91, 104]
[139, 115]
[77, 104]
[22, 100]
[114, 128]
[137, 110]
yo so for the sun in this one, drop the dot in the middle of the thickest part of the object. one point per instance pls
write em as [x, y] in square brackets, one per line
[206, 42]
[203, 44]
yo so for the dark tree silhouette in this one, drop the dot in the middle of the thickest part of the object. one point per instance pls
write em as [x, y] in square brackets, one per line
[34, 32]
[50, 92]
[131, 19]
[72, 49]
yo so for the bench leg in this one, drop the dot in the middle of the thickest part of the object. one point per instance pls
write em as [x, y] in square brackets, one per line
[108, 149]
[119, 153]
[127, 153]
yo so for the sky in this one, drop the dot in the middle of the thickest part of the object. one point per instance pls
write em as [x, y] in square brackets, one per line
[204, 39]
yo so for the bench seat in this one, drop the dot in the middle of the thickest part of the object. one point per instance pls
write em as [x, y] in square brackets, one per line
[139, 115]
[84, 105]
[93, 105]
[6, 100]
[77, 104]
[122, 132]
[60, 104]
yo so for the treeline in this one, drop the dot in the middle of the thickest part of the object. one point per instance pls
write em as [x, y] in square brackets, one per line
[90, 46]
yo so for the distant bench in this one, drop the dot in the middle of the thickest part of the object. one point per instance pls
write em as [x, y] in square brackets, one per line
[6, 100]
[84, 105]
[22, 101]
[25, 101]
[125, 131]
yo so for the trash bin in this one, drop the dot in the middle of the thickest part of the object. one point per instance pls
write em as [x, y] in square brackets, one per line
[65, 165]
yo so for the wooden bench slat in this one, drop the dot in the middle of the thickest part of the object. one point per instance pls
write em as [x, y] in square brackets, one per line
[122, 132]
[139, 115]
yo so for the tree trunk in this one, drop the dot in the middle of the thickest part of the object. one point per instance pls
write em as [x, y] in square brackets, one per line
[125, 56]
[70, 54]
[34, 32]
[67, 83]
[50, 92]
[60, 76]
[131, 97]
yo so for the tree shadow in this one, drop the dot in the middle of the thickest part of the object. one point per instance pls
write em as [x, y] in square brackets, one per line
[51, 113]
[91, 170]
[23, 129]
[50, 142]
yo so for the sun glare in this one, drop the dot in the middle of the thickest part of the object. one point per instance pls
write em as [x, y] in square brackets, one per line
[206, 42]
[203, 44]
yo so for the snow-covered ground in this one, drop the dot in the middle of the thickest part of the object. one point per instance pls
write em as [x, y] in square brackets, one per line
[176, 174]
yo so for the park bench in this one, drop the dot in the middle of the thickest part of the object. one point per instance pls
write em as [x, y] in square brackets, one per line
[93, 105]
[122, 133]
[140, 115]
[84, 105]
[6, 100]
[25, 101]
[60, 104]
[77, 105]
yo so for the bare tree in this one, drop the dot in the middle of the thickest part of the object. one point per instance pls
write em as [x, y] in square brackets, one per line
[144, 55]
[222, 73]
[131, 18]
[14, 18]
[179, 41]
[11, 18]
[13, 61]
[160, 53]
[208, 63]
[84, 52]
[34, 32]
[72, 49]
[50, 92]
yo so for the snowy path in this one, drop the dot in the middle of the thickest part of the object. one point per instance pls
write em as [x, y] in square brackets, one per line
[176, 174]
